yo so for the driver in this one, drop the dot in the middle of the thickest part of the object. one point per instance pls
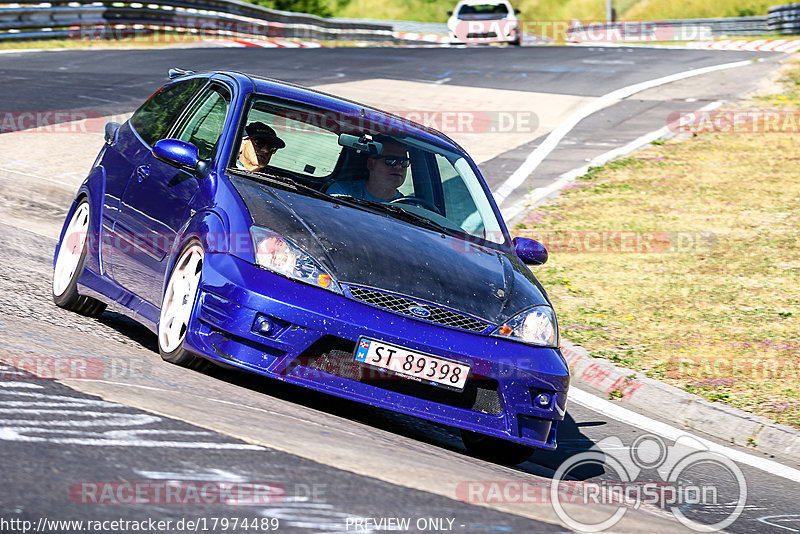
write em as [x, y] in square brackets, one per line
[387, 172]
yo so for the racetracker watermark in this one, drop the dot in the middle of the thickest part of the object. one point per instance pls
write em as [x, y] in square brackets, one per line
[721, 369]
[72, 121]
[704, 490]
[177, 492]
[51, 367]
[580, 31]
[622, 241]
[187, 31]
[447, 121]
[745, 121]
[147, 244]
[634, 31]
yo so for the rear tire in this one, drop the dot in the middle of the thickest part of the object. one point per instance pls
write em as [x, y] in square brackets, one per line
[69, 266]
[178, 305]
[495, 449]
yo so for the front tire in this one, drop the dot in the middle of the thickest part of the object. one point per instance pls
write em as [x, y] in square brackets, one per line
[69, 265]
[495, 449]
[177, 307]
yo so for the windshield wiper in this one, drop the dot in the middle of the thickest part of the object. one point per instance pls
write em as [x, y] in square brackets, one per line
[400, 213]
[280, 181]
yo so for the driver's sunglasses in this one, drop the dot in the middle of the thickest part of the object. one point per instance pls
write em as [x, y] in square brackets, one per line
[262, 144]
[391, 161]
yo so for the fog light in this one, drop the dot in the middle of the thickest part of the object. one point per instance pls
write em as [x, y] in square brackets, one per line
[264, 325]
[543, 400]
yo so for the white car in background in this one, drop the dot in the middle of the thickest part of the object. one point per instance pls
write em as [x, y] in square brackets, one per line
[484, 21]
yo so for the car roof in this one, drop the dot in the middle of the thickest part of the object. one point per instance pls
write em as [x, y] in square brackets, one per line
[482, 2]
[297, 93]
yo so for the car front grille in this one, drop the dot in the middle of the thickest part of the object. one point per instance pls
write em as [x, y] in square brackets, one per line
[334, 356]
[403, 305]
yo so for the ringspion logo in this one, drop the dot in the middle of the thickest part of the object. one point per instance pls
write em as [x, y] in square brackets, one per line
[704, 490]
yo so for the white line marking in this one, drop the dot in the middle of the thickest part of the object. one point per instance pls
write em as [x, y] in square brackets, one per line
[12, 434]
[107, 419]
[213, 475]
[221, 401]
[615, 411]
[607, 62]
[794, 518]
[60, 182]
[538, 155]
[542, 193]
[97, 98]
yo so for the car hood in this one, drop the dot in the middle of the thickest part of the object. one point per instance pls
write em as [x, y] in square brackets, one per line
[359, 247]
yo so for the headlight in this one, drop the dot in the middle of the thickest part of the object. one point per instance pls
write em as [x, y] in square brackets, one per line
[536, 326]
[278, 254]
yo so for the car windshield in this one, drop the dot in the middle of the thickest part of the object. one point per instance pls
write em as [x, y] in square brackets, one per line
[484, 9]
[328, 151]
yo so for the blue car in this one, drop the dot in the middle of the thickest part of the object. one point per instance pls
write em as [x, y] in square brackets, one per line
[264, 226]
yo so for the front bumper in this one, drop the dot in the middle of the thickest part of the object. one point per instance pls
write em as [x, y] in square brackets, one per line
[314, 335]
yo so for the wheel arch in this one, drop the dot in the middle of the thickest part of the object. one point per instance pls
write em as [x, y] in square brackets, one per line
[92, 190]
[207, 228]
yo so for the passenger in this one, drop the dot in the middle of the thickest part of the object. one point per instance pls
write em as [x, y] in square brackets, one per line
[387, 173]
[258, 147]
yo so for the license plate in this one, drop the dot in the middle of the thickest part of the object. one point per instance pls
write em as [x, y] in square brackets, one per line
[414, 365]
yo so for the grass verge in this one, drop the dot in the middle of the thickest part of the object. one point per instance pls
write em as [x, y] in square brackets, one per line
[682, 261]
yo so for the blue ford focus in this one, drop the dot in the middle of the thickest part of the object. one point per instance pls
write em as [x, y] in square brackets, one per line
[260, 225]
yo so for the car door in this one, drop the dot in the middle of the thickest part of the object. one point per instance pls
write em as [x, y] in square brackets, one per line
[148, 124]
[155, 203]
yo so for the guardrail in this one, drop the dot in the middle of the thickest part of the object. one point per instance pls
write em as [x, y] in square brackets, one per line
[107, 19]
[92, 19]
[667, 30]
[785, 18]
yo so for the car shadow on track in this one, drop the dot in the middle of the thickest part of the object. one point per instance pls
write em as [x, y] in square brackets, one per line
[131, 329]
[542, 463]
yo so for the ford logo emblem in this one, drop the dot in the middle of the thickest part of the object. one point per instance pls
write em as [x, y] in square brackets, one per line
[419, 311]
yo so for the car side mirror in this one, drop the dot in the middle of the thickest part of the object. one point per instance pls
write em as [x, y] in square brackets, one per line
[177, 153]
[449, 13]
[517, 11]
[529, 251]
[111, 132]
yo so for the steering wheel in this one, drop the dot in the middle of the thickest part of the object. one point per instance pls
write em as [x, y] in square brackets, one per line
[416, 201]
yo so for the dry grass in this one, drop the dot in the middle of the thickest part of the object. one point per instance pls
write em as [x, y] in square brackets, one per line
[701, 286]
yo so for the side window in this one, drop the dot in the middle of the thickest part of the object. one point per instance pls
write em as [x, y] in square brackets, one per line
[458, 203]
[154, 118]
[310, 150]
[203, 125]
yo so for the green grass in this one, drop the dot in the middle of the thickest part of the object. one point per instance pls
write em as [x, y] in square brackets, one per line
[553, 10]
[537, 10]
[695, 9]
[683, 262]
